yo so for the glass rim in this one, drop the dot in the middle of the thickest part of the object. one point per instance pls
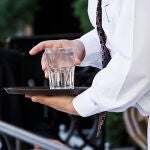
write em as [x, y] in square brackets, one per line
[65, 50]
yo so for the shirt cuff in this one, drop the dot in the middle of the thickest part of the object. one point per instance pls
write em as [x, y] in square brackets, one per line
[84, 105]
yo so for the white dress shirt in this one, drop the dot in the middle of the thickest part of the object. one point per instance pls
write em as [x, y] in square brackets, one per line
[125, 81]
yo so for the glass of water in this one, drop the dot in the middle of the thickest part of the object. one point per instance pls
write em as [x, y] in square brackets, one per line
[60, 66]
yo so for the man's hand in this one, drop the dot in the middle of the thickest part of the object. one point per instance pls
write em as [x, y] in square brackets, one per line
[78, 45]
[61, 103]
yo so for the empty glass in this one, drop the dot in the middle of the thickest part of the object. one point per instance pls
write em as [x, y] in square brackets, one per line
[60, 66]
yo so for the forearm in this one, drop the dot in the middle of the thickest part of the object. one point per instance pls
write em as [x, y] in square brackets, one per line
[60, 103]
[63, 103]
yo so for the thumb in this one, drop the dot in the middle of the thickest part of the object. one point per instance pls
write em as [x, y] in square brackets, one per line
[77, 61]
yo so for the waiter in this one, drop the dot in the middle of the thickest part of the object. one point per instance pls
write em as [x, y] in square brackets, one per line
[125, 81]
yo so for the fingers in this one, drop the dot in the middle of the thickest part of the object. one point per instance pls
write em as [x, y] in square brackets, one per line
[46, 73]
[41, 46]
[30, 97]
[77, 61]
[46, 100]
[44, 66]
[39, 99]
[46, 44]
[43, 62]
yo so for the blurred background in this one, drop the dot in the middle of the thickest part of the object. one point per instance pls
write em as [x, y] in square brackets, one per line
[23, 24]
[37, 17]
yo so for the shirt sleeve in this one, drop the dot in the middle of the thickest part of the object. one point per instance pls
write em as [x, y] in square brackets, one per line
[92, 50]
[126, 79]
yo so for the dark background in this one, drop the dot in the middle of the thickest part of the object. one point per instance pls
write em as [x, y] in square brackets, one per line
[55, 16]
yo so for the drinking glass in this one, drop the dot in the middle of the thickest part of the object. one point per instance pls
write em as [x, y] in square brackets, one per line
[60, 66]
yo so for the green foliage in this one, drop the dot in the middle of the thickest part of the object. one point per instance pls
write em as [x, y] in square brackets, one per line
[15, 13]
[80, 11]
[115, 131]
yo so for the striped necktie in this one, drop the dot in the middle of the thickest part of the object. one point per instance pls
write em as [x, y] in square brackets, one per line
[105, 55]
